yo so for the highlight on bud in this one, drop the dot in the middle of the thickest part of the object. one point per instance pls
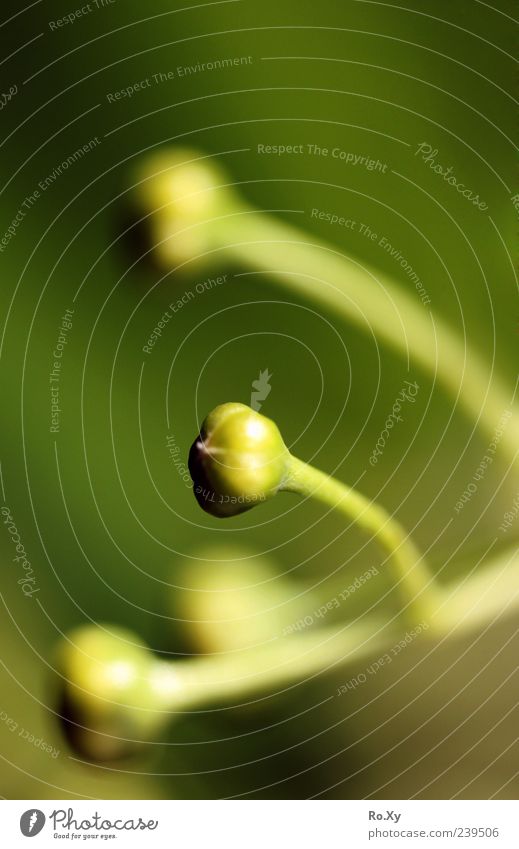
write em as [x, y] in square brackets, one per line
[238, 459]
[180, 194]
[113, 689]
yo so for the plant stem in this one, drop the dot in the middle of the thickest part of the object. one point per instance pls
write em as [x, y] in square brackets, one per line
[463, 608]
[411, 574]
[245, 673]
[322, 274]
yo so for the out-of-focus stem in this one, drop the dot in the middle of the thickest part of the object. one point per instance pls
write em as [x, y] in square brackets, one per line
[377, 304]
[196, 214]
[463, 608]
[415, 582]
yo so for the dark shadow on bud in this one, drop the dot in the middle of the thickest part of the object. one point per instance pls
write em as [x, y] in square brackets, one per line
[135, 240]
[212, 502]
[88, 743]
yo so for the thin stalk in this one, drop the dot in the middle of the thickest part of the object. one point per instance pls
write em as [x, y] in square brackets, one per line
[240, 454]
[224, 677]
[413, 578]
[323, 275]
[463, 608]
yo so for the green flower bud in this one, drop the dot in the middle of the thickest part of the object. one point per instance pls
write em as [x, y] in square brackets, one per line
[228, 598]
[238, 459]
[181, 195]
[113, 690]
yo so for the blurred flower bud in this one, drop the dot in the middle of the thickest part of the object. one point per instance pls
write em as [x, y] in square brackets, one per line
[238, 460]
[181, 196]
[114, 690]
[228, 598]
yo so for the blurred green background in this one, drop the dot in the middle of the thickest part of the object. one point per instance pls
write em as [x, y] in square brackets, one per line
[103, 514]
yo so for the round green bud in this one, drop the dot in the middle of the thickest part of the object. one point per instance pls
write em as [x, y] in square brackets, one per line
[180, 195]
[113, 689]
[238, 460]
[227, 598]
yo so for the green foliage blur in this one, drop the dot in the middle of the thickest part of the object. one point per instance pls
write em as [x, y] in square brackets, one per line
[107, 521]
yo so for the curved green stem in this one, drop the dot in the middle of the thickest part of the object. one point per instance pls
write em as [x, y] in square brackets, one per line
[222, 677]
[411, 574]
[239, 458]
[462, 608]
[195, 212]
[314, 270]
[115, 716]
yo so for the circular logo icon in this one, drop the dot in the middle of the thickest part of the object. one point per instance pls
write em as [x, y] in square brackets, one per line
[32, 822]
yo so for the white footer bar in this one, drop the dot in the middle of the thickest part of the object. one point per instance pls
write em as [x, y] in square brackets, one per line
[262, 824]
